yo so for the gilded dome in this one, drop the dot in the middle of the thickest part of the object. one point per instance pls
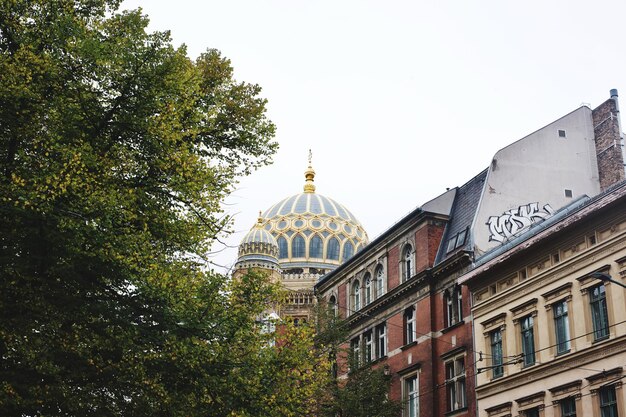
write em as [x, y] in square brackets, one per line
[258, 245]
[312, 231]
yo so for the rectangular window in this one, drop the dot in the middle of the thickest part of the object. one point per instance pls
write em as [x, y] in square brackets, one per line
[568, 407]
[453, 301]
[531, 412]
[497, 370]
[599, 314]
[561, 327]
[381, 337]
[369, 345]
[608, 402]
[409, 325]
[411, 397]
[355, 347]
[528, 340]
[562, 133]
[455, 383]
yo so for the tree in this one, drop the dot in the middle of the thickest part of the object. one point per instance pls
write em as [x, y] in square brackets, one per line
[116, 150]
[365, 392]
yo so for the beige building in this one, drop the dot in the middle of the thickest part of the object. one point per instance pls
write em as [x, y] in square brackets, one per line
[550, 338]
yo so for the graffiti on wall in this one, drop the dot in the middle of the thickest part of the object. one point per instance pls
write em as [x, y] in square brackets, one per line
[515, 221]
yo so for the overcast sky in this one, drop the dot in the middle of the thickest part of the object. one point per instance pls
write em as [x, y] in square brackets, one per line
[399, 100]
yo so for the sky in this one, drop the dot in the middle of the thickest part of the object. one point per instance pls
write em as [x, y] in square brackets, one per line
[398, 100]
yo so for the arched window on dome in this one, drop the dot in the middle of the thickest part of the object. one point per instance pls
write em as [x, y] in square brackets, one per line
[332, 250]
[315, 247]
[297, 247]
[356, 296]
[380, 281]
[368, 289]
[283, 248]
[348, 251]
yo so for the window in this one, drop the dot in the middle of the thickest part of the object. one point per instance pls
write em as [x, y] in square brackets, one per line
[608, 402]
[282, 248]
[411, 397]
[456, 241]
[315, 247]
[453, 300]
[356, 296]
[599, 315]
[332, 251]
[368, 288]
[562, 133]
[497, 370]
[297, 247]
[332, 305]
[380, 281]
[455, 383]
[531, 412]
[348, 251]
[561, 327]
[528, 340]
[409, 325]
[381, 340]
[568, 407]
[407, 263]
[355, 347]
[369, 347]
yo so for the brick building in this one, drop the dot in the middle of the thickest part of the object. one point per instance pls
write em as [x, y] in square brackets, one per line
[402, 295]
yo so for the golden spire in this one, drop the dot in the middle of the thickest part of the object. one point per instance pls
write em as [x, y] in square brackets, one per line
[309, 175]
[259, 221]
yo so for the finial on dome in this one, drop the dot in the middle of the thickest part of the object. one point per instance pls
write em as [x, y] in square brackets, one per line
[309, 175]
[259, 221]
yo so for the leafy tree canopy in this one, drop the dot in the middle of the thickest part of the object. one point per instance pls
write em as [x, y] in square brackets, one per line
[116, 150]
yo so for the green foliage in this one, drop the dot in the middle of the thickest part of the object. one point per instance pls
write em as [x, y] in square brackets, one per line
[116, 150]
[365, 392]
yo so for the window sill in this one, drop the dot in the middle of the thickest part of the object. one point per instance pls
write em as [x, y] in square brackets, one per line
[602, 339]
[408, 345]
[455, 412]
[565, 352]
[453, 326]
[375, 361]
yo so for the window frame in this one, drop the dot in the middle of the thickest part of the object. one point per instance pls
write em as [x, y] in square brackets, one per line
[379, 272]
[608, 408]
[560, 315]
[456, 386]
[367, 279]
[410, 325]
[381, 340]
[411, 396]
[408, 262]
[527, 333]
[599, 313]
[355, 290]
[496, 352]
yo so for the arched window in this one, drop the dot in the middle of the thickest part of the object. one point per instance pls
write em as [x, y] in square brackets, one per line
[407, 263]
[332, 250]
[356, 296]
[297, 247]
[315, 247]
[368, 288]
[348, 251]
[380, 281]
[453, 300]
[332, 305]
[282, 248]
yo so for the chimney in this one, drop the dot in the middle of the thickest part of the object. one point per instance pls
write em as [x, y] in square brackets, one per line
[609, 142]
